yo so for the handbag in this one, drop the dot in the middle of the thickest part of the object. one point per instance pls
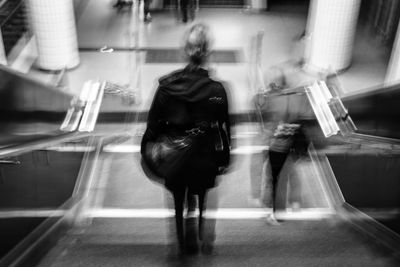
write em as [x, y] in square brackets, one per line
[168, 154]
[163, 158]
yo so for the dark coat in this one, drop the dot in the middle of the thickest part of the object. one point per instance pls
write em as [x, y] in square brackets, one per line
[184, 100]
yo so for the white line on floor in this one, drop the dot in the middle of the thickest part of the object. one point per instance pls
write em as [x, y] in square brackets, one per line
[304, 214]
[309, 214]
[241, 150]
[257, 213]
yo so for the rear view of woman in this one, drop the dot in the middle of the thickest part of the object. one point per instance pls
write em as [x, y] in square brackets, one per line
[189, 103]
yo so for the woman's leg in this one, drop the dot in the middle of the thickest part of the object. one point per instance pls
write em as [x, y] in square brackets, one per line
[256, 175]
[184, 9]
[207, 224]
[179, 200]
[146, 7]
[202, 196]
[277, 160]
[191, 236]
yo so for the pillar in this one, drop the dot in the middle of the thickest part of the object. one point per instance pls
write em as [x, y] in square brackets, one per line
[53, 25]
[331, 29]
[393, 71]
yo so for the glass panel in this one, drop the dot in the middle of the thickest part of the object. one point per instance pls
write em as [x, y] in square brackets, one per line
[36, 186]
[376, 112]
[370, 183]
[29, 109]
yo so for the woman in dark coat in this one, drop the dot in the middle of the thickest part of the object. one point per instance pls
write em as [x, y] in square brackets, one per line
[188, 100]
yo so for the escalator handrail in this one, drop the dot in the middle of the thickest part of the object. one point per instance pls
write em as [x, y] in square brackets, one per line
[48, 232]
[350, 214]
[12, 151]
[366, 143]
[395, 143]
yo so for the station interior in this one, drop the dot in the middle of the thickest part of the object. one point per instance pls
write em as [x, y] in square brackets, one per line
[77, 79]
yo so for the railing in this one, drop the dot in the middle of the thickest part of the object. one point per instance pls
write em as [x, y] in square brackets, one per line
[37, 162]
[56, 218]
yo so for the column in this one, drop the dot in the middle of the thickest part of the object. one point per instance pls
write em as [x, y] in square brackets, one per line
[393, 71]
[331, 28]
[53, 25]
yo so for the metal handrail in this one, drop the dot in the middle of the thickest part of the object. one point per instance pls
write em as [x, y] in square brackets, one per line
[351, 136]
[46, 234]
[40, 143]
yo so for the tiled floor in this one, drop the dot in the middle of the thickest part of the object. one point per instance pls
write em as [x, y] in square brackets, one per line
[99, 25]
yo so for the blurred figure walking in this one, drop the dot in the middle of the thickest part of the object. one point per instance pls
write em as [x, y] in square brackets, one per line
[146, 10]
[129, 3]
[122, 3]
[187, 8]
[187, 107]
[283, 116]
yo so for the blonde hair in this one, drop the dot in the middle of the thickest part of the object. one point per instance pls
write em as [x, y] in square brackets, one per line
[197, 43]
